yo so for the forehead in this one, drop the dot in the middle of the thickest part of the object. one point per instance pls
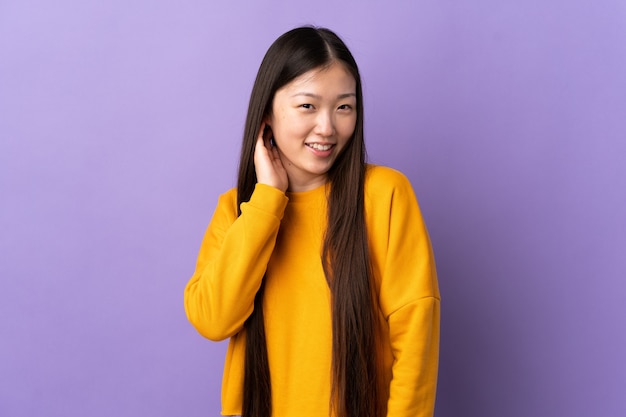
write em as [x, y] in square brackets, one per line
[333, 77]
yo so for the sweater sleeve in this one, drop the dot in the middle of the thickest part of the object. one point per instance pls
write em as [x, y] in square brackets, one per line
[409, 297]
[415, 344]
[233, 258]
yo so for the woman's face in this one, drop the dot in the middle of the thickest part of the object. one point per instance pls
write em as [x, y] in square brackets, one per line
[313, 118]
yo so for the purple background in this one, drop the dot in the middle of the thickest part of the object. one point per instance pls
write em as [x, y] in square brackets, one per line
[120, 124]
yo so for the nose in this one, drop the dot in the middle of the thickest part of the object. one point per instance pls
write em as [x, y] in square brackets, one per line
[325, 124]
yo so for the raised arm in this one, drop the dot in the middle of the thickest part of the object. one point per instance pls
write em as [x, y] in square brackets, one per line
[232, 261]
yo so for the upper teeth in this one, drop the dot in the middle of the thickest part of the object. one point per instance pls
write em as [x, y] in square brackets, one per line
[319, 147]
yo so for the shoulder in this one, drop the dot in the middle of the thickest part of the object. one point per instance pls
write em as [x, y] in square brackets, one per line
[229, 197]
[227, 203]
[387, 190]
[385, 180]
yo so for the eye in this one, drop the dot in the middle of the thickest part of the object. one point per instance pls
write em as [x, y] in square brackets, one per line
[345, 107]
[306, 106]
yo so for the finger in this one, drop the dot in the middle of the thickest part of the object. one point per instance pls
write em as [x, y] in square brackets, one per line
[275, 153]
[260, 141]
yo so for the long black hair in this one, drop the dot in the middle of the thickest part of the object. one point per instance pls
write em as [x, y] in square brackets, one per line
[356, 390]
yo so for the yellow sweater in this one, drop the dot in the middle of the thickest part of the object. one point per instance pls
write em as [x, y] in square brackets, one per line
[283, 233]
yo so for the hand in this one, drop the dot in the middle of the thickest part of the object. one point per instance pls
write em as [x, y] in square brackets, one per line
[267, 163]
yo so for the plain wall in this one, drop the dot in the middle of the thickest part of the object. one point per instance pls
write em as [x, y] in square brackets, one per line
[120, 124]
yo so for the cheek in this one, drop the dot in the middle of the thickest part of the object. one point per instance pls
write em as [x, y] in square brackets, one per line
[291, 127]
[346, 129]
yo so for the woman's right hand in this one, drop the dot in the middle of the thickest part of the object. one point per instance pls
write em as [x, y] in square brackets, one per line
[267, 163]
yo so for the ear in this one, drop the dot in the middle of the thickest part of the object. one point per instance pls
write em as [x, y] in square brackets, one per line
[267, 130]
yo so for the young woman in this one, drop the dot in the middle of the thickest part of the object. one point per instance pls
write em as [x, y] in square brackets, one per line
[317, 266]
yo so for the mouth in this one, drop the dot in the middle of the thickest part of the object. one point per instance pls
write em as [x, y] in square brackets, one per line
[319, 146]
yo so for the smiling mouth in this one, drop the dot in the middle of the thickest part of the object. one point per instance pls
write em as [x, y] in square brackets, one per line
[319, 147]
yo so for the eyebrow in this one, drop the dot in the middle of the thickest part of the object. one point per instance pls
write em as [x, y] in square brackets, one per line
[340, 96]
